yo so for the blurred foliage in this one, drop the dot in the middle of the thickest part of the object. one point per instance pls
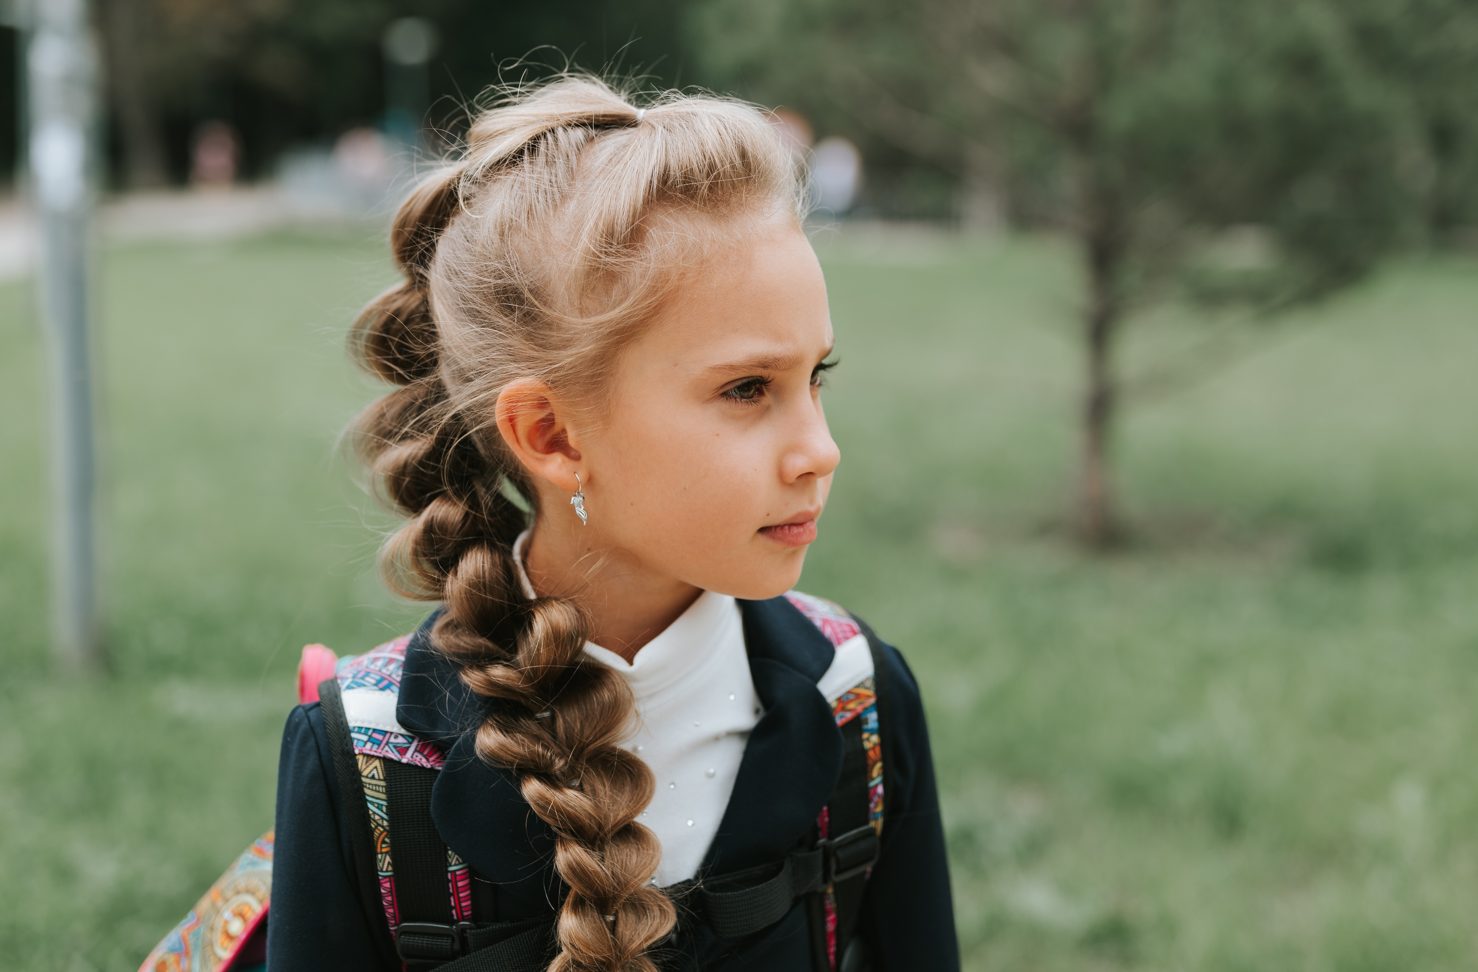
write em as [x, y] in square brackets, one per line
[1336, 126]
[1252, 155]
[1426, 53]
[285, 73]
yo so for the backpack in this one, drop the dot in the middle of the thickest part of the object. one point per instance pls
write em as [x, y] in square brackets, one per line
[425, 893]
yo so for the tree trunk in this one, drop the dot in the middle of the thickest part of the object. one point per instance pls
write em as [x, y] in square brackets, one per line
[1104, 243]
[1102, 228]
[130, 98]
[1097, 522]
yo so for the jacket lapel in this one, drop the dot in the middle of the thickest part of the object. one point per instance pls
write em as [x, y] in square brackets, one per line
[789, 765]
[794, 753]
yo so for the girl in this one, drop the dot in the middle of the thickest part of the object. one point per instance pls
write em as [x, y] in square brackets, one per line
[609, 441]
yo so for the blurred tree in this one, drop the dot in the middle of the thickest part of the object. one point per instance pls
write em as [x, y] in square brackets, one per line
[283, 73]
[1426, 52]
[1236, 155]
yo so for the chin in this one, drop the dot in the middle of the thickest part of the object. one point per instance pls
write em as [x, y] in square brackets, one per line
[769, 584]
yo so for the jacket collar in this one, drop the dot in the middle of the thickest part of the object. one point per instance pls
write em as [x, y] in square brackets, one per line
[790, 762]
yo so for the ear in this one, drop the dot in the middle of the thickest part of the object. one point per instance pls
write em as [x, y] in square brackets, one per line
[534, 424]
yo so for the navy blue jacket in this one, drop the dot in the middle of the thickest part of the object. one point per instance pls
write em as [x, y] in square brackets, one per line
[790, 763]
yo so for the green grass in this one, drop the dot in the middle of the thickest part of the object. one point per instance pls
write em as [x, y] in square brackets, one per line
[1237, 744]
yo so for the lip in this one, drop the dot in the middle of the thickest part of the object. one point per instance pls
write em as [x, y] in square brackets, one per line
[802, 517]
[797, 531]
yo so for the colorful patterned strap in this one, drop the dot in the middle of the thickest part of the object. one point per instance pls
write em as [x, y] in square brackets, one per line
[858, 701]
[222, 933]
[369, 686]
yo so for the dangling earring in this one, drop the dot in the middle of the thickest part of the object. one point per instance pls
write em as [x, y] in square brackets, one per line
[578, 501]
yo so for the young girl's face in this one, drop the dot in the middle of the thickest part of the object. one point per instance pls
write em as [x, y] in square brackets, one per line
[716, 429]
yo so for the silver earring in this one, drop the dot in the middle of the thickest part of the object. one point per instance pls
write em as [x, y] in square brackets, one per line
[578, 501]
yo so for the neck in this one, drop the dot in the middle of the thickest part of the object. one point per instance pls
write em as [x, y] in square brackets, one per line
[628, 604]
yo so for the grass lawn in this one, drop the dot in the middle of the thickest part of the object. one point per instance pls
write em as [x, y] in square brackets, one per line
[1236, 745]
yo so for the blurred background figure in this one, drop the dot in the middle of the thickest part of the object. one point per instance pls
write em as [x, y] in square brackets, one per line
[214, 155]
[363, 163]
[836, 174]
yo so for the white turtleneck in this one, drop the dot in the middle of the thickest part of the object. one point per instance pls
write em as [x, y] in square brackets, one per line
[696, 705]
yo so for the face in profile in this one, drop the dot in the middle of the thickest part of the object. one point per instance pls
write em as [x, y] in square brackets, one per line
[716, 430]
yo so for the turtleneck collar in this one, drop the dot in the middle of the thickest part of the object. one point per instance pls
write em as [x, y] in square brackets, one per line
[674, 655]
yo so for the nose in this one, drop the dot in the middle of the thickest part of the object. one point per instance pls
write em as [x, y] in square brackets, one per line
[812, 451]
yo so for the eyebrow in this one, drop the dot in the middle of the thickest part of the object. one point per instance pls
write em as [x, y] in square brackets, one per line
[764, 362]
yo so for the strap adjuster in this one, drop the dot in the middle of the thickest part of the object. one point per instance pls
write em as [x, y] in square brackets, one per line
[848, 855]
[422, 941]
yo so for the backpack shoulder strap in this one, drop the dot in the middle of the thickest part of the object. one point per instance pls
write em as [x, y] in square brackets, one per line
[352, 800]
[384, 774]
[850, 826]
[865, 789]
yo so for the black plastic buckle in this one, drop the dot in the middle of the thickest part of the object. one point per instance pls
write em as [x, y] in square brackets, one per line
[848, 855]
[419, 941]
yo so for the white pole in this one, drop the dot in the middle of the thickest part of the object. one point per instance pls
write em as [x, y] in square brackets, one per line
[62, 65]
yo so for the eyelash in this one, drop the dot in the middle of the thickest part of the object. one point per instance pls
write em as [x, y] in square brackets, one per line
[818, 380]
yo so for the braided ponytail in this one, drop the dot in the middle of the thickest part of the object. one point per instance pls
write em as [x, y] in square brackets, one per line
[502, 253]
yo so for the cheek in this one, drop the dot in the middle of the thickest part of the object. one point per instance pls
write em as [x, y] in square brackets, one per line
[649, 466]
[689, 478]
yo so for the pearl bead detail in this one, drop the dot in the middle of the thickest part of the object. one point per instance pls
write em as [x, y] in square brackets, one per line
[690, 823]
[672, 785]
[711, 772]
[732, 696]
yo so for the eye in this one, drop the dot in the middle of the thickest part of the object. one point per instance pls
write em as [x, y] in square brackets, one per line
[747, 392]
[818, 377]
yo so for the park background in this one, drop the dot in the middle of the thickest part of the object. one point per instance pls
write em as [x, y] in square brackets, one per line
[1157, 416]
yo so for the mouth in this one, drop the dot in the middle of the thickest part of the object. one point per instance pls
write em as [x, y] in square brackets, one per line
[796, 531]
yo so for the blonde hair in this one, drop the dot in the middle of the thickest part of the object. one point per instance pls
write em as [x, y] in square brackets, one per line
[540, 250]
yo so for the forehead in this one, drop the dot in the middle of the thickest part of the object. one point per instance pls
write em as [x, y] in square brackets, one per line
[761, 293]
